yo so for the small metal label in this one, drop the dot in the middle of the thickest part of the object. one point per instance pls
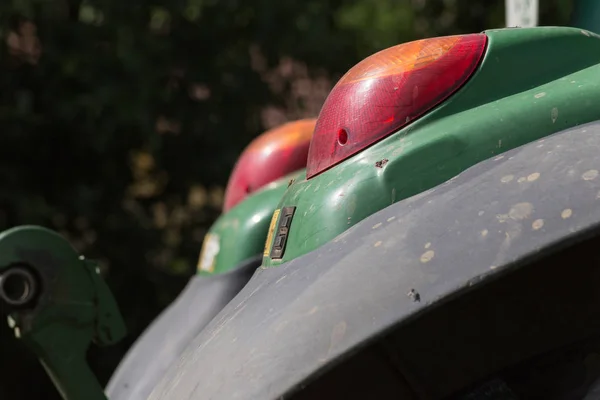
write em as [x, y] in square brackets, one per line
[270, 233]
[210, 249]
[282, 231]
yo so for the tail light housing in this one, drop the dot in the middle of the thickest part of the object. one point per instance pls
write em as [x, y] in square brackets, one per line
[272, 155]
[388, 90]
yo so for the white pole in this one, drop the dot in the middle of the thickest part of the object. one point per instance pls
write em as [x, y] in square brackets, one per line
[521, 13]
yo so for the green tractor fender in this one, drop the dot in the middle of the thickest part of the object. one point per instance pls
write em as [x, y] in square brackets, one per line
[232, 252]
[448, 288]
[530, 83]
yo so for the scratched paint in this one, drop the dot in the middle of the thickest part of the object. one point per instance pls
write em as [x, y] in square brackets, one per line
[351, 205]
[537, 224]
[427, 256]
[590, 175]
[533, 177]
[520, 211]
[507, 178]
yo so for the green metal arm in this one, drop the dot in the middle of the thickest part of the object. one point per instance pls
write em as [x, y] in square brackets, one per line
[57, 304]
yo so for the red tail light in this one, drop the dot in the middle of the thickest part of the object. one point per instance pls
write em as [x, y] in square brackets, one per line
[387, 91]
[270, 156]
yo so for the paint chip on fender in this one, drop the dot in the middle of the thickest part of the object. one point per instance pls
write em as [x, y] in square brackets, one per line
[427, 256]
[507, 178]
[590, 175]
[520, 211]
[533, 177]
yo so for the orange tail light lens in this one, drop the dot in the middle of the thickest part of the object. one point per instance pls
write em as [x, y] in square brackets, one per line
[387, 91]
[272, 155]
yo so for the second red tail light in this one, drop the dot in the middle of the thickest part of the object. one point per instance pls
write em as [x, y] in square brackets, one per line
[387, 91]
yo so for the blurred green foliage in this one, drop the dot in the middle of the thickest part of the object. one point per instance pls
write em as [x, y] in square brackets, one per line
[121, 120]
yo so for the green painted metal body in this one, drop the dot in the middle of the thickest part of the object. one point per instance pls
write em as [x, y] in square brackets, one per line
[531, 83]
[73, 308]
[240, 234]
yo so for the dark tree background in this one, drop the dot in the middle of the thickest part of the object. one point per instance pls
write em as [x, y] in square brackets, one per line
[120, 121]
